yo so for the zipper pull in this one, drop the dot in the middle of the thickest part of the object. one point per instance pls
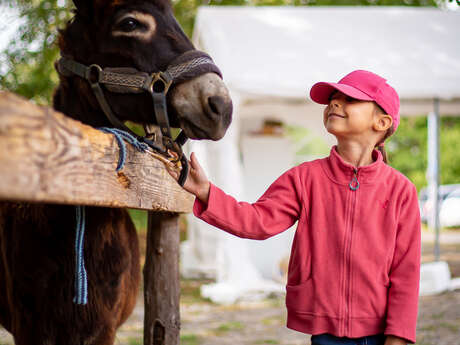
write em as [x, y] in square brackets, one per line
[354, 183]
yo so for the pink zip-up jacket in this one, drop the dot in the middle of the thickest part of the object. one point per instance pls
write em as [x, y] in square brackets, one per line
[354, 268]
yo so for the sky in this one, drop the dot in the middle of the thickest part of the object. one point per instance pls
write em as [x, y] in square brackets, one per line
[9, 24]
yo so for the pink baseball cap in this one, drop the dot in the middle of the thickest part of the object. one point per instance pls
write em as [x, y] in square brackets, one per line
[362, 85]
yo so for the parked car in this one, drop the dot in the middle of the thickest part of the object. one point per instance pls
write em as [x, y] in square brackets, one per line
[449, 214]
[427, 205]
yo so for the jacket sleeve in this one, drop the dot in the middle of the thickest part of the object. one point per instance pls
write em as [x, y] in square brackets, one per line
[275, 211]
[405, 273]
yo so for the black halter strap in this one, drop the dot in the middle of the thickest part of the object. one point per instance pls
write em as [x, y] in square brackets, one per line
[129, 80]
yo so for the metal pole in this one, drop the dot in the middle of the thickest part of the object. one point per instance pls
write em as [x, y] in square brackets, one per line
[433, 173]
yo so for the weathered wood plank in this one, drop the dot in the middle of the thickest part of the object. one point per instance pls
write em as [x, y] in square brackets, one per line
[161, 280]
[48, 157]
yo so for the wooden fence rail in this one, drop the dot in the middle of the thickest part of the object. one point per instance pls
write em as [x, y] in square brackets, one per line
[47, 157]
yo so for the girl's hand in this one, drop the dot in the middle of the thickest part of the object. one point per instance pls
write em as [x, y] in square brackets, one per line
[392, 340]
[196, 183]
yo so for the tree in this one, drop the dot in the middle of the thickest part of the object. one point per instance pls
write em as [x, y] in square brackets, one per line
[30, 56]
[407, 149]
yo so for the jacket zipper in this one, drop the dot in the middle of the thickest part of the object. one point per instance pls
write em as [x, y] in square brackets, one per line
[354, 186]
[354, 183]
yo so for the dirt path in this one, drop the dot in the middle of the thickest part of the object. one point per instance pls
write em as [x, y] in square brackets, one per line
[204, 323]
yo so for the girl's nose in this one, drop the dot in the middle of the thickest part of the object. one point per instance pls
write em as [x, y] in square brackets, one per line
[335, 103]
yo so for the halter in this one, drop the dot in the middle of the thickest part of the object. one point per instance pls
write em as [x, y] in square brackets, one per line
[129, 80]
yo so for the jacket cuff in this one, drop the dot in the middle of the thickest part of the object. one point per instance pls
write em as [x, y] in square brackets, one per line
[410, 338]
[200, 207]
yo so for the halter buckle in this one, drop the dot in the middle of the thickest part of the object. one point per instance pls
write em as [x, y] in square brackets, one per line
[93, 74]
[161, 82]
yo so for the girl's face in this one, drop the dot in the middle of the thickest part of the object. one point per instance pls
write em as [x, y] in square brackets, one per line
[347, 117]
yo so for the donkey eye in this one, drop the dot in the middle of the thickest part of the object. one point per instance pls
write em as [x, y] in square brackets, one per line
[128, 25]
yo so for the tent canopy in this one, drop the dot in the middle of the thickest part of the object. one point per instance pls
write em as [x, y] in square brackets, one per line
[283, 51]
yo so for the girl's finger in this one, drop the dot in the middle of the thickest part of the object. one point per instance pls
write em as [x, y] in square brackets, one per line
[194, 161]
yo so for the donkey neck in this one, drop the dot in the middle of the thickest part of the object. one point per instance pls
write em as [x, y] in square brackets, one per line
[72, 99]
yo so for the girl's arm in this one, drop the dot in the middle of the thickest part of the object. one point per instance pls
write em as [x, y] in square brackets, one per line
[403, 293]
[275, 211]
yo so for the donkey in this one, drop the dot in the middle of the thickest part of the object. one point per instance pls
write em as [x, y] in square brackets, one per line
[37, 259]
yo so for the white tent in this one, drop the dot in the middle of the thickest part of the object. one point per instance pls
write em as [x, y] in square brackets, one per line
[270, 57]
[282, 51]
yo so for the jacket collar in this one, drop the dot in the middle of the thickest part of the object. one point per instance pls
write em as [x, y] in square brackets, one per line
[342, 172]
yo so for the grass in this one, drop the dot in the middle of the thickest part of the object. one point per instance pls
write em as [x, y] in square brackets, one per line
[189, 339]
[229, 326]
[438, 316]
[190, 291]
[270, 321]
[185, 339]
[135, 341]
[267, 341]
[450, 326]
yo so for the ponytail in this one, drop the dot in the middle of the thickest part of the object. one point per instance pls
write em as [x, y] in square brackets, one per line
[381, 145]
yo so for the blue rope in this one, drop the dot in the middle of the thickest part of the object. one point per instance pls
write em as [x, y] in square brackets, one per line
[81, 281]
[119, 136]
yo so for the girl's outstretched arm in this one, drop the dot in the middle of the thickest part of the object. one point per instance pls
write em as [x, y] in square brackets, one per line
[275, 211]
[196, 183]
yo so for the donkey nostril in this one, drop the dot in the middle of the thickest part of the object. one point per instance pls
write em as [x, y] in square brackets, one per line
[217, 104]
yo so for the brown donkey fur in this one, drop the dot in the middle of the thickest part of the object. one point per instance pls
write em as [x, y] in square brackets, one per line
[37, 258]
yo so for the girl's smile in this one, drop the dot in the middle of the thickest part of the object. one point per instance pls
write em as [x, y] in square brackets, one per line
[345, 116]
[335, 114]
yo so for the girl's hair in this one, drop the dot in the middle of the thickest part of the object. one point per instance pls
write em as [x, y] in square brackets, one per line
[379, 146]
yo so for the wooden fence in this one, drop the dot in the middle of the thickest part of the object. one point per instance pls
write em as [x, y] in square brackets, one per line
[50, 158]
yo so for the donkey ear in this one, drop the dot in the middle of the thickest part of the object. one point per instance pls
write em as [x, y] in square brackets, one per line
[84, 7]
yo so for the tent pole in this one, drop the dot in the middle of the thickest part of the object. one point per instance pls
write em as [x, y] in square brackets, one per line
[433, 173]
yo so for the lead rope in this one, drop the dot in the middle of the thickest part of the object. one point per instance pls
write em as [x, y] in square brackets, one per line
[81, 281]
[119, 136]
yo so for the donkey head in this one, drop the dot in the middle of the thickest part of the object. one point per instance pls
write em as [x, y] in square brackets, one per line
[144, 35]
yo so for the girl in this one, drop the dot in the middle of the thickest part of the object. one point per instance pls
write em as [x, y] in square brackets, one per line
[354, 267]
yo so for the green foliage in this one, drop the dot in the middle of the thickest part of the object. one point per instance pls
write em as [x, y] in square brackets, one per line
[306, 144]
[139, 218]
[407, 149]
[30, 56]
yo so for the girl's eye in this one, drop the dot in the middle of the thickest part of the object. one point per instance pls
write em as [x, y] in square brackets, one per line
[128, 25]
[350, 99]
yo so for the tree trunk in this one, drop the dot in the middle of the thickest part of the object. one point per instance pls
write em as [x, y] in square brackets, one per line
[161, 280]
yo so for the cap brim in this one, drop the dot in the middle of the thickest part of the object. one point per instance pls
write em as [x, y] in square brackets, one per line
[321, 92]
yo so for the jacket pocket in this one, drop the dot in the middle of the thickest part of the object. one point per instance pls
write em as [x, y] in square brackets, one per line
[299, 297]
[310, 297]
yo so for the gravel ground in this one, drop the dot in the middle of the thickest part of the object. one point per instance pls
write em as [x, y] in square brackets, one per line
[205, 323]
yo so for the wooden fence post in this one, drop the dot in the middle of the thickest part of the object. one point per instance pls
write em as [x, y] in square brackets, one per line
[161, 280]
